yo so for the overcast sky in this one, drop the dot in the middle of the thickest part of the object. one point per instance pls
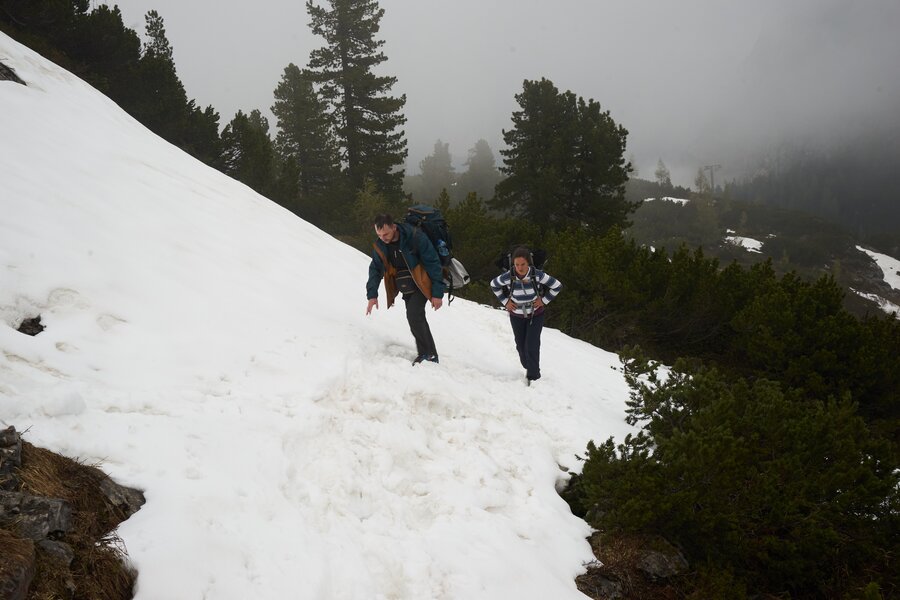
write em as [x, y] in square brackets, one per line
[695, 82]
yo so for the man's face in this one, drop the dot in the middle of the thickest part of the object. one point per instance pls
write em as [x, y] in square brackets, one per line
[388, 233]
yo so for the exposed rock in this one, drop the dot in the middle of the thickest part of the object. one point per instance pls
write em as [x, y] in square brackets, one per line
[9, 437]
[65, 519]
[661, 563]
[34, 517]
[127, 500]
[609, 589]
[10, 458]
[59, 551]
[596, 583]
[31, 326]
[17, 567]
[7, 74]
[632, 567]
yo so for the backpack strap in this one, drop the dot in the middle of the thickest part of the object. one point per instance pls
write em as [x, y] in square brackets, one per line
[445, 271]
[388, 266]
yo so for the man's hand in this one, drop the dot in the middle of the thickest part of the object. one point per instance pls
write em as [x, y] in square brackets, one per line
[372, 302]
[510, 306]
[436, 302]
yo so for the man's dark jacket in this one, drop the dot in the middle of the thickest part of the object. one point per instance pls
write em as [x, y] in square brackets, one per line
[421, 258]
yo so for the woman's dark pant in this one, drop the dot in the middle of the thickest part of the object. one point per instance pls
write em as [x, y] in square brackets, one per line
[415, 316]
[528, 343]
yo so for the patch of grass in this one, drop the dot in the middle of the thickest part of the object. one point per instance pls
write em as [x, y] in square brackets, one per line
[99, 569]
[618, 556]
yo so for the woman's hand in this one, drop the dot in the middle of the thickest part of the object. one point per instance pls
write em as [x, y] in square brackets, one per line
[538, 303]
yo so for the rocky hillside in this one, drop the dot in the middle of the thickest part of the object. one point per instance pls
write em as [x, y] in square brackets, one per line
[732, 230]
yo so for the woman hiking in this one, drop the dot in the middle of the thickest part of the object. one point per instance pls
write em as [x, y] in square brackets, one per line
[525, 292]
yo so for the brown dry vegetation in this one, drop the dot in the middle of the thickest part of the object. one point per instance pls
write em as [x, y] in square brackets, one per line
[618, 557]
[99, 569]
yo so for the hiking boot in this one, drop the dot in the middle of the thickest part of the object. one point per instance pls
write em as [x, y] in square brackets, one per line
[419, 359]
[432, 358]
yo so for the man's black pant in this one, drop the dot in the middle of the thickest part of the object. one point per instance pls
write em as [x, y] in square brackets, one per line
[415, 315]
[528, 343]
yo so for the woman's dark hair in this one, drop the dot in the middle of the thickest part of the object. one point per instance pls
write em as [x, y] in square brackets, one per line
[383, 220]
[521, 252]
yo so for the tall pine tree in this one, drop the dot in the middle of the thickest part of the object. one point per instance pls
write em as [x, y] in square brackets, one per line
[481, 175]
[249, 155]
[437, 172]
[564, 163]
[306, 147]
[368, 121]
[159, 100]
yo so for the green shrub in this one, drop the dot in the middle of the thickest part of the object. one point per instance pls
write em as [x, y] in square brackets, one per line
[787, 493]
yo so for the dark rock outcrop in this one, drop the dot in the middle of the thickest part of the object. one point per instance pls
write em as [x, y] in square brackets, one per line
[58, 518]
[10, 458]
[125, 499]
[7, 74]
[31, 326]
[34, 517]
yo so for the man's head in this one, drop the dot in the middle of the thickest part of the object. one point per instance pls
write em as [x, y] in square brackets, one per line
[386, 229]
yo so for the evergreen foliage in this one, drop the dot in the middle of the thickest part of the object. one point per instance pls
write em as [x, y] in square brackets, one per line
[368, 202]
[437, 173]
[564, 162]
[310, 179]
[663, 177]
[851, 181]
[159, 101]
[481, 175]
[47, 26]
[249, 155]
[104, 51]
[787, 493]
[367, 120]
[200, 136]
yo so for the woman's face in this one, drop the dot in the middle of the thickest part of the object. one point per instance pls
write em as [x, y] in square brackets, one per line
[521, 266]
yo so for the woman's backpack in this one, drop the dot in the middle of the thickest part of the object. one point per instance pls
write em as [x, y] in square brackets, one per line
[538, 258]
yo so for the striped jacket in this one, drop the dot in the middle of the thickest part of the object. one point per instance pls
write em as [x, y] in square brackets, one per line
[524, 290]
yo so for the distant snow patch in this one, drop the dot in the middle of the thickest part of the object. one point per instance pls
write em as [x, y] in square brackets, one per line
[889, 265]
[669, 199]
[885, 305]
[749, 244]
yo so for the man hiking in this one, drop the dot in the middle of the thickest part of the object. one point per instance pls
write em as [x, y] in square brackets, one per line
[407, 261]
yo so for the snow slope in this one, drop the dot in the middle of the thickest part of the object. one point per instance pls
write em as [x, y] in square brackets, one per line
[211, 349]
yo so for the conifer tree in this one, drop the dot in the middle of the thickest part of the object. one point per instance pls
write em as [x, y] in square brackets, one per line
[481, 175]
[200, 135]
[305, 145]
[158, 98]
[663, 177]
[437, 172]
[564, 162]
[104, 49]
[249, 156]
[158, 44]
[368, 121]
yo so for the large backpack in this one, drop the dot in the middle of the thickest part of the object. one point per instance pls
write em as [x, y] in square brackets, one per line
[538, 259]
[430, 221]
